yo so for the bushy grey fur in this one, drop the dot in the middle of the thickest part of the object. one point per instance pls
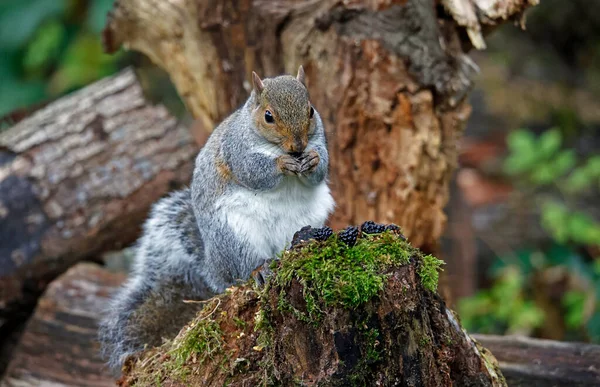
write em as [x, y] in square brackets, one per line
[199, 241]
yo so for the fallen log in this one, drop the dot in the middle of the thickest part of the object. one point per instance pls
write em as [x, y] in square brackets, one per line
[78, 177]
[334, 313]
[544, 363]
[59, 346]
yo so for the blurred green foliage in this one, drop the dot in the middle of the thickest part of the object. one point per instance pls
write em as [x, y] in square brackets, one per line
[49, 48]
[558, 181]
[503, 308]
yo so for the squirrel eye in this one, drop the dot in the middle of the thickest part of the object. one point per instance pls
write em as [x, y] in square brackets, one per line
[312, 112]
[269, 117]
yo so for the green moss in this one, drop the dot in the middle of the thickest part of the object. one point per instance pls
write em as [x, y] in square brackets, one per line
[371, 355]
[239, 323]
[334, 275]
[424, 341]
[448, 339]
[262, 325]
[372, 352]
[491, 364]
[429, 272]
[203, 340]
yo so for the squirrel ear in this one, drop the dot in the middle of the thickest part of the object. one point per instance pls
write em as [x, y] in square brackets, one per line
[301, 77]
[258, 83]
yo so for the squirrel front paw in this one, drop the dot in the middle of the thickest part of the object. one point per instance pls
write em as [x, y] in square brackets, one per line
[288, 165]
[309, 162]
[262, 273]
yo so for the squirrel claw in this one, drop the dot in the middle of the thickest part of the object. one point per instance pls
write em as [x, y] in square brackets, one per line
[262, 273]
[310, 162]
[288, 165]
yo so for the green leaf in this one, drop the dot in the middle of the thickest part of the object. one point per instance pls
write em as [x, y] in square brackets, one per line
[543, 174]
[578, 180]
[581, 228]
[521, 141]
[574, 303]
[549, 142]
[593, 167]
[517, 164]
[529, 316]
[523, 156]
[555, 221]
[564, 162]
[45, 46]
[591, 236]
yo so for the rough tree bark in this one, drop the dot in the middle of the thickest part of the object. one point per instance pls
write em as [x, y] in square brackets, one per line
[544, 363]
[59, 345]
[77, 178]
[388, 77]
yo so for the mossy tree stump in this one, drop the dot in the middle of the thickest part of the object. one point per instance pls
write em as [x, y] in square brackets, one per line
[330, 315]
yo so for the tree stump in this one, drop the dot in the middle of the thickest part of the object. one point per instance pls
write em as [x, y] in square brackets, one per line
[335, 312]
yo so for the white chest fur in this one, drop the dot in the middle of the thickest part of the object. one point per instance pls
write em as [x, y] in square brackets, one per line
[268, 220]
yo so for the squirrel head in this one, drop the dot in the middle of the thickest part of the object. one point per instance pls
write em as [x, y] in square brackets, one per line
[282, 113]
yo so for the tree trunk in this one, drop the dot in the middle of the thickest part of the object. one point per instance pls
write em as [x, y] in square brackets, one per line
[78, 177]
[388, 77]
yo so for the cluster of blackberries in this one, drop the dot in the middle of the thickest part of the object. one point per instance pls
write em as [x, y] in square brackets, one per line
[349, 235]
[306, 233]
[370, 227]
[396, 230]
[323, 233]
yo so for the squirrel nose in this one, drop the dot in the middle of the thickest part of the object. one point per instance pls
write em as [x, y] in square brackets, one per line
[297, 148]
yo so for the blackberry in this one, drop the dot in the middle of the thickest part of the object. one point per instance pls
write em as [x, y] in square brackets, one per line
[370, 227]
[396, 230]
[302, 235]
[349, 235]
[322, 234]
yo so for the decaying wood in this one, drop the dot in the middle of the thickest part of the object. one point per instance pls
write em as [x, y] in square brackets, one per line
[78, 177]
[476, 16]
[388, 77]
[286, 335]
[544, 363]
[59, 345]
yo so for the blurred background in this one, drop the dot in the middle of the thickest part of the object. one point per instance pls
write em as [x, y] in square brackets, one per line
[522, 244]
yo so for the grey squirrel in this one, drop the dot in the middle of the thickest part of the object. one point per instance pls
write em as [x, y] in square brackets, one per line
[261, 176]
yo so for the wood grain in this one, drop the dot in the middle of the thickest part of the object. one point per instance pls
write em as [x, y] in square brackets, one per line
[78, 177]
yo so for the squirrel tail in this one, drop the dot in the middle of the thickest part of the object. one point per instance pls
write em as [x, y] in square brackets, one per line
[142, 316]
[117, 335]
